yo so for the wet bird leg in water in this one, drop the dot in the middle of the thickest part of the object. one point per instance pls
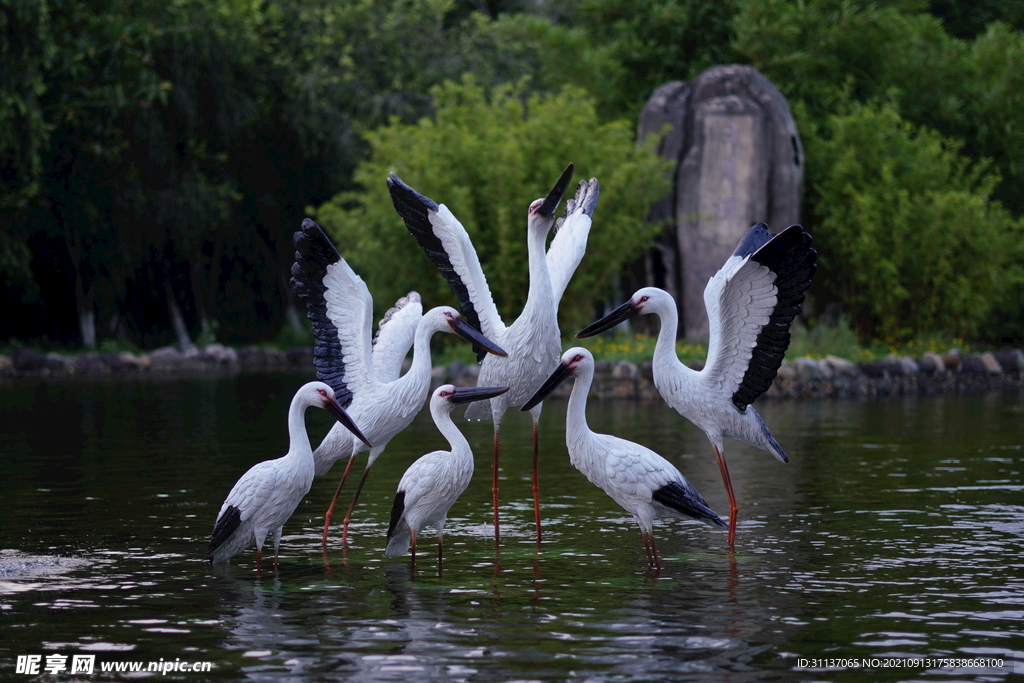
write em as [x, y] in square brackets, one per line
[494, 486]
[536, 482]
[352, 507]
[652, 551]
[330, 510]
[733, 509]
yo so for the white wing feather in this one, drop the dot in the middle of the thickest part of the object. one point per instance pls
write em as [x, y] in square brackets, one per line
[570, 241]
[395, 336]
[739, 300]
[464, 260]
[252, 491]
[350, 308]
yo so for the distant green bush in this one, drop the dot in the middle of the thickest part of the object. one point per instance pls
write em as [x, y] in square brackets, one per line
[487, 155]
[905, 227]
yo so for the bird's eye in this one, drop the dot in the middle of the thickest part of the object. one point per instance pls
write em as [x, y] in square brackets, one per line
[577, 358]
[322, 392]
[644, 299]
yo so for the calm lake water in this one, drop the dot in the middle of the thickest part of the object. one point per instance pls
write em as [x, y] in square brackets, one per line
[895, 532]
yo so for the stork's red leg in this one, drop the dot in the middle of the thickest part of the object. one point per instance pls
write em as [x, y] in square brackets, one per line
[330, 510]
[352, 507]
[536, 481]
[494, 485]
[647, 545]
[413, 546]
[654, 553]
[724, 468]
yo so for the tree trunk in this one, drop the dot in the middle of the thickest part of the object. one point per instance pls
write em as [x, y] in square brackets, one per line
[198, 295]
[84, 306]
[87, 326]
[177, 320]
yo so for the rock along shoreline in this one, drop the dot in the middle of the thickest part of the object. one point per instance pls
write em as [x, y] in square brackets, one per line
[828, 377]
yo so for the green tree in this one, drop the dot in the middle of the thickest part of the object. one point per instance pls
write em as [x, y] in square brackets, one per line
[618, 50]
[906, 229]
[487, 156]
[101, 81]
[820, 51]
[25, 40]
[968, 18]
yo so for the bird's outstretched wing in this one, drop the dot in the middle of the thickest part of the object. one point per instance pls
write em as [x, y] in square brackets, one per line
[448, 246]
[396, 333]
[570, 240]
[751, 303]
[341, 309]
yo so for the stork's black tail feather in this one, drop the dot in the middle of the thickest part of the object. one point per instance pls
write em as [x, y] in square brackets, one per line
[398, 532]
[683, 498]
[226, 525]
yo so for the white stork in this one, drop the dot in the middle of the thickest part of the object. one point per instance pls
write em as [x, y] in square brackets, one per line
[267, 495]
[533, 341]
[434, 482]
[341, 309]
[751, 303]
[645, 484]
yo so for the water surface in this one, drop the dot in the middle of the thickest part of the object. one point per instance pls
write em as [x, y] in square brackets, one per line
[895, 532]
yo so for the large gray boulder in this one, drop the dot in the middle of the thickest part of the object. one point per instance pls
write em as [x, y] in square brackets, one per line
[740, 161]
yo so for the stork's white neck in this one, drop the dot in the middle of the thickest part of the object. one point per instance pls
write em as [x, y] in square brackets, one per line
[298, 440]
[577, 431]
[443, 419]
[539, 300]
[419, 370]
[665, 348]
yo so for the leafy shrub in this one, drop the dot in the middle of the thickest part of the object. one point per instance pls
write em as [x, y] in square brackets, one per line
[487, 156]
[906, 231]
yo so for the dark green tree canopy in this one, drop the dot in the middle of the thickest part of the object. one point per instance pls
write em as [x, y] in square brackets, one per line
[155, 157]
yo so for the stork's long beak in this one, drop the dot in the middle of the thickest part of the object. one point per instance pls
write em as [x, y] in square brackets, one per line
[557, 377]
[464, 330]
[470, 394]
[334, 408]
[620, 314]
[555, 196]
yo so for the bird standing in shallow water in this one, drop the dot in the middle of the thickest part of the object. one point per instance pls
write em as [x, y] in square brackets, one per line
[265, 497]
[533, 341]
[341, 309]
[751, 302]
[641, 481]
[433, 483]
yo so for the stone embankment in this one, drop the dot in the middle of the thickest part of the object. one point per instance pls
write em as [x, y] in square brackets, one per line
[167, 361]
[828, 377]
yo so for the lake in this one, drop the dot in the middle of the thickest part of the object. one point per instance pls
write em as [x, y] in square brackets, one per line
[890, 548]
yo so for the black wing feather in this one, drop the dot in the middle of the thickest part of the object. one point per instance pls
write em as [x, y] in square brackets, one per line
[415, 208]
[790, 256]
[397, 509]
[313, 253]
[686, 500]
[226, 525]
